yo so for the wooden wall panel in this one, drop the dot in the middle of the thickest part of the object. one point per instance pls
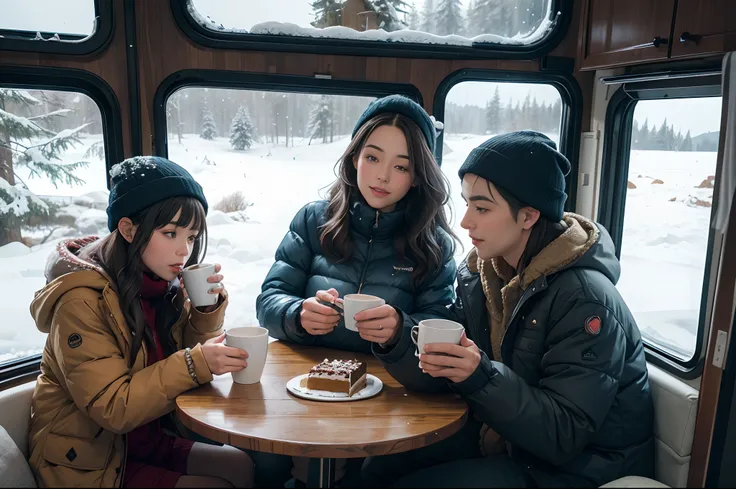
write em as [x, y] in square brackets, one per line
[165, 49]
[110, 65]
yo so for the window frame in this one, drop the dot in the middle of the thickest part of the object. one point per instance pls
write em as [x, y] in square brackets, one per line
[75, 81]
[75, 44]
[614, 177]
[262, 42]
[570, 122]
[220, 79]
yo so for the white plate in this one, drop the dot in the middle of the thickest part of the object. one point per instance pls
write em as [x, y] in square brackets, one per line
[373, 386]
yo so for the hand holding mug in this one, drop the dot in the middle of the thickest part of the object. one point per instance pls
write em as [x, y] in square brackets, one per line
[378, 324]
[221, 358]
[454, 362]
[318, 318]
[205, 285]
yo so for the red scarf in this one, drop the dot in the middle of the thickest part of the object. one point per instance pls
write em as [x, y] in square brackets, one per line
[153, 289]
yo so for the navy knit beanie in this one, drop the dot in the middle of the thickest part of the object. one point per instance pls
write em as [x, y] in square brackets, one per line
[141, 181]
[400, 104]
[528, 165]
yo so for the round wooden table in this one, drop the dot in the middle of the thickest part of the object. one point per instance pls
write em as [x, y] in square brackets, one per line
[265, 417]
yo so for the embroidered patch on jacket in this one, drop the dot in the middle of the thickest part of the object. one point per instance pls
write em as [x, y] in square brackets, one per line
[74, 340]
[403, 269]
[589, 355]
[593, 325]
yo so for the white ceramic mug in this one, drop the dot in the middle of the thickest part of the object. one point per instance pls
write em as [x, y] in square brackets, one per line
[354, 303]
[254, 340]
[436, 331]
[198, 288]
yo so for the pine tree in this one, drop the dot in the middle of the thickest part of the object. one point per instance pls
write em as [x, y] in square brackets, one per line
[242, 132]
[644, 135]
[209, 129]
[677, 141]
[387, 12]
[327, 13]
[414, 21]
[635, 135]
[493, 114]
[449, 18]
[429, 23]
[687, 143]
[662, 136]
[320, 121]
[173, 115]
[526, 112]
[476, 25]
[491, 17]
[26, 143]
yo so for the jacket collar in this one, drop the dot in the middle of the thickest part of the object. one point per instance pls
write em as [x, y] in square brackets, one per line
[503, 289]
[372, 223]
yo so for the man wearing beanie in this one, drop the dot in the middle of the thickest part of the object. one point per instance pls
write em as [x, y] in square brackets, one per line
[552, 364]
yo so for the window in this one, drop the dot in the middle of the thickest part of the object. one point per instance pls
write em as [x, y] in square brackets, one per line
[52, 186]
[477, 110]
[70, 17]
[504, 25]
[50, 26]
[260, 156]
[669, 194]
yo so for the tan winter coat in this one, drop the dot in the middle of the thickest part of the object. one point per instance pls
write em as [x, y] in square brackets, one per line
[87, 398]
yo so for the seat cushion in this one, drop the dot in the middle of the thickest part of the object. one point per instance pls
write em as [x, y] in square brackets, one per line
[675, 408]
[15, 413]
[14, 469]
[632, 481]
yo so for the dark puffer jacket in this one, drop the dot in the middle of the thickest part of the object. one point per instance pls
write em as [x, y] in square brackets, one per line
[301, 270]
[571, 396]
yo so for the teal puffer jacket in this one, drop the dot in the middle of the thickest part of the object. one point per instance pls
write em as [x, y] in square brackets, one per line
[300, 270]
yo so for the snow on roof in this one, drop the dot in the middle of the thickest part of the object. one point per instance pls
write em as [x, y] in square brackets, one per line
[403, 35]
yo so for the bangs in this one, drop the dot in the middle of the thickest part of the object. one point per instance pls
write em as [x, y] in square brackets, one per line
[191, 215]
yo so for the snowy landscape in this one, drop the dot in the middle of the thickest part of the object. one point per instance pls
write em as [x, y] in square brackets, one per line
[278, 181]
[260, 156]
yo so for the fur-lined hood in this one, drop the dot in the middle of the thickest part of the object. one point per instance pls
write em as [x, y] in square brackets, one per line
[69, 266]
[584, 244]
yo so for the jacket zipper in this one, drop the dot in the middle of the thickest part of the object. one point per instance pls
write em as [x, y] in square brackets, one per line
[528, 294]
[368, 254]
[465, 298]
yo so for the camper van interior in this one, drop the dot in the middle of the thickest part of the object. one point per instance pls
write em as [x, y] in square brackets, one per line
[258, 101]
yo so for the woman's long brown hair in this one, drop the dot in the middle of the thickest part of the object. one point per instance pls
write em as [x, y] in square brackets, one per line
[123, 263]
[425, 213]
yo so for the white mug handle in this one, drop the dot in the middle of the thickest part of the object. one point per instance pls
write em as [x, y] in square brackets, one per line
[415, 335]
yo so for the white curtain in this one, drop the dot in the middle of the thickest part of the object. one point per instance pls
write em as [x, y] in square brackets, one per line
[726, 182]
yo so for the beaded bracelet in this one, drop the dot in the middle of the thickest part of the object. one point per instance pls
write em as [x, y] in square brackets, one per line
[190, 365]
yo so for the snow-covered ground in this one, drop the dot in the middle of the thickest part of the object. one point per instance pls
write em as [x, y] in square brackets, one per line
[663, 255]
[664, 244]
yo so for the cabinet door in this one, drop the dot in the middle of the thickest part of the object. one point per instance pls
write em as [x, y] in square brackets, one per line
[624, 32]
[703, 28]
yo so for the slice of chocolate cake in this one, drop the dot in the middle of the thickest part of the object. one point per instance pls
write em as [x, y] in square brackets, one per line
[348, 376]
